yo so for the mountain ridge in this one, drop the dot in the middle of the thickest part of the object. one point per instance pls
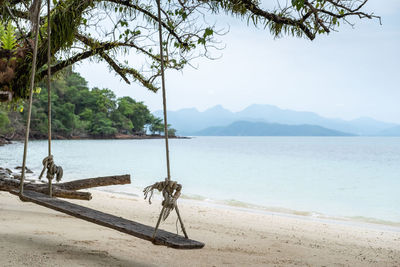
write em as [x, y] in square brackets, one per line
[190, 120]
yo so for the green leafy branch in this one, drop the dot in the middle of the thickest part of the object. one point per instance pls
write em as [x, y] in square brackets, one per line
[7, 37]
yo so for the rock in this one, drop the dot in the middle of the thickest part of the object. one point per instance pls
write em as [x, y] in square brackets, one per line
[5, 170]
[16, 176]
[27, 170]
[4, 174]
[4, 141]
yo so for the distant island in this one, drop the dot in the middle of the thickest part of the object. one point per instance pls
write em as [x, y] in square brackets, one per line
[81, 113]
[246, 128]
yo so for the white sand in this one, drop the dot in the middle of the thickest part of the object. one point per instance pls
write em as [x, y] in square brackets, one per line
[34, 236]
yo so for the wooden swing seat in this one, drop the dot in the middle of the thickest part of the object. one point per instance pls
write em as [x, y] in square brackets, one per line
[138, 230]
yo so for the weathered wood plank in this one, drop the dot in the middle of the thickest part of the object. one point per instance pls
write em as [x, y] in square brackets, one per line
[117, 223]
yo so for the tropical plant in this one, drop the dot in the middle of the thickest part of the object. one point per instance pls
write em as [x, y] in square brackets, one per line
[2, 30]
[7, 37]
[156, 126]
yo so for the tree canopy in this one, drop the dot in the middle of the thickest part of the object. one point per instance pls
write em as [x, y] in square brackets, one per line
[104, 30]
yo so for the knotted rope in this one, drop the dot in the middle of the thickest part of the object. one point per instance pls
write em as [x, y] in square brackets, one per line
[52, 169]
[171, 191]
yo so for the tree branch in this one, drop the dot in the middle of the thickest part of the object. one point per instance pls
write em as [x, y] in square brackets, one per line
[150, 15]
[79, 57]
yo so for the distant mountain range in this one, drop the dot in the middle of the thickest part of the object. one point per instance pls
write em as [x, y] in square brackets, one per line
[246, 128]
[191, 121]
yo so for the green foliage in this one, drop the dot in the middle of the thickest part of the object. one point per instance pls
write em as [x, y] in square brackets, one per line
[65, 20]
[298, 4]
[171, 132]
[4, 123]
[78, 111]
[7, 37]
[101, 125]
[2, 30]
[136, 112]
[157, 126]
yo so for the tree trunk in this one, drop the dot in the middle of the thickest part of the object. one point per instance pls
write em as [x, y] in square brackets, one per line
[96, 182]
[66, 190]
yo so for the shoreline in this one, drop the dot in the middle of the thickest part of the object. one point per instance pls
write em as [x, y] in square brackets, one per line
[366, 222]
[7, 141]
[35, 236]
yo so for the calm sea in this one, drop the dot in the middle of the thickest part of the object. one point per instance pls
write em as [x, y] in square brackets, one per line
[341, 177]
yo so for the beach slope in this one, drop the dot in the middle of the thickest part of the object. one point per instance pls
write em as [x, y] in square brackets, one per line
[34, 236]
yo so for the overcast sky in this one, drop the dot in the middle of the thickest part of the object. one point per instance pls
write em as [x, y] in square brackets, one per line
[348, 74]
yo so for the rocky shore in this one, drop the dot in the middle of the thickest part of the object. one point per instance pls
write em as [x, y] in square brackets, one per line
[6, 173]
[4, 141]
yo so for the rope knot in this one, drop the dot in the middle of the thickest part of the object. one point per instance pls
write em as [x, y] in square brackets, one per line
[52, 169]
[170, 190]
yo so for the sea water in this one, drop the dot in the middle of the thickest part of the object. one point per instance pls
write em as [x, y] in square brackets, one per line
[341, 177]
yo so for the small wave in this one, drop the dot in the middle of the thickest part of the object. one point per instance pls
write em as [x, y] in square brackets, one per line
[194, 197]
[119, 192]
[373, 220]
[241, 204]
[233, 203]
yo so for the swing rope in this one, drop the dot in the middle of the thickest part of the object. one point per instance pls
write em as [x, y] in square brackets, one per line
[163, 92]
[171, 190]
[48, 162]
[31, 85]
[49, 77]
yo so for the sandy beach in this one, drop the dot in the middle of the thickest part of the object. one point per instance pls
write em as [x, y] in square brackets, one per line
[34, 236]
